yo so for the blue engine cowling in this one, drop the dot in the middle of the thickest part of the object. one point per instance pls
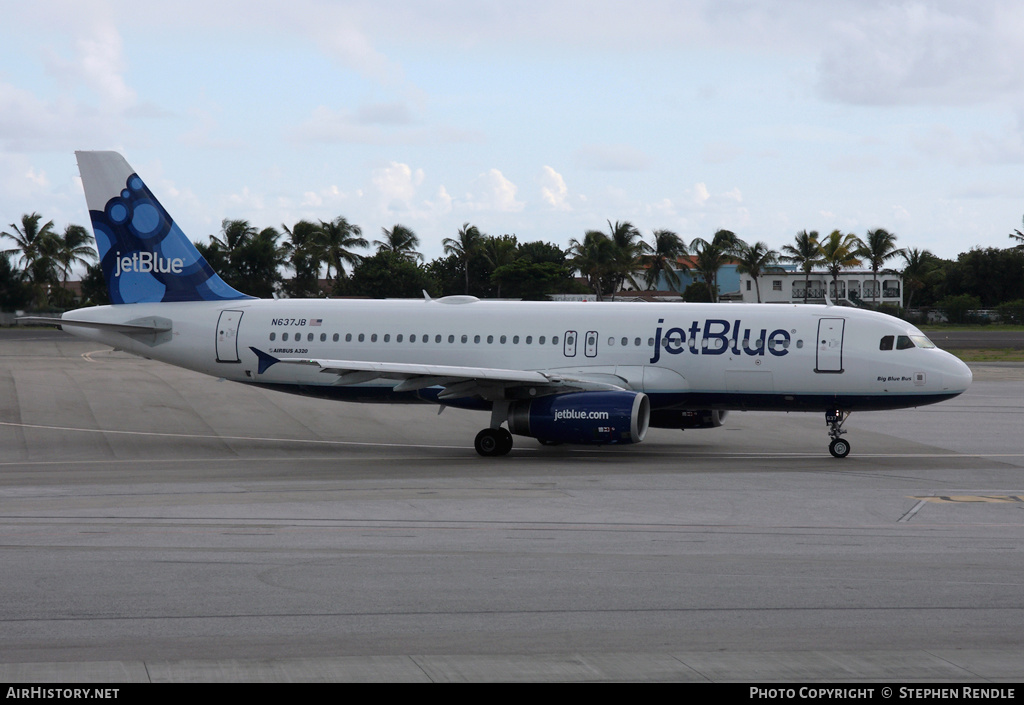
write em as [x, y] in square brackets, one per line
[595, 418]
[690, 418]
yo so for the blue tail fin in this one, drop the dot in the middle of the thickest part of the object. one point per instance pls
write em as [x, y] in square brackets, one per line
[145, 256]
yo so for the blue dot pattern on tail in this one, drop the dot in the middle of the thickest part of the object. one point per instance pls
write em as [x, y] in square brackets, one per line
[146, 257]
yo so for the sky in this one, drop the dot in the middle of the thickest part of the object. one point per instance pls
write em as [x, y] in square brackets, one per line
[542, 119]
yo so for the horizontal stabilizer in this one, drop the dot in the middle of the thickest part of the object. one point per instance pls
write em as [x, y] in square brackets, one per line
[127, 328]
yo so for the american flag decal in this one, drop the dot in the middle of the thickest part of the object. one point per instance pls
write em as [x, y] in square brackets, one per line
[316, 321]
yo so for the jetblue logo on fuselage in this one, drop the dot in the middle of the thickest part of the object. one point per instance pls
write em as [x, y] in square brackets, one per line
[147, 262]
[717, 337]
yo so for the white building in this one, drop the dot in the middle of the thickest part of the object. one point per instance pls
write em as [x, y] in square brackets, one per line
[857, 287]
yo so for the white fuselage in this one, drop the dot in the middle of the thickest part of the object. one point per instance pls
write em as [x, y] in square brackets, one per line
[723, 356]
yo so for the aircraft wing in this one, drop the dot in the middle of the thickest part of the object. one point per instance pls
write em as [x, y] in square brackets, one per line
[457, 380]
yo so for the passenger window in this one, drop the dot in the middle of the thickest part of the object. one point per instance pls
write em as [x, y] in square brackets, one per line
[465, 339]
[336, 336]
[503, 339]
[323, 337]
[309, 337]
[476, 339]
[373, 338]
[515, 340]
[273, 336]
[348, 337]
[886, 343]
[903, 342]
[284, 337]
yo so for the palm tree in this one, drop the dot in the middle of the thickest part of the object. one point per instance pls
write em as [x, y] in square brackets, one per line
[306, 253]
[594, 257]
[337, 238]
[400, 240]
[259, 264]
[627, 248]
[838, 252]
[498, 252]
[711, 256]
[918, 267]
[755, 260]
[35, 246]
[464, 247]
[879, 247]
[74, 248]
[1018, 236]
[805, 253]
[235, 234]
[663, 258]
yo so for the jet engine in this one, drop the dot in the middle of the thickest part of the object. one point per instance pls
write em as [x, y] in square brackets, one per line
[593, 418]
[690, 418]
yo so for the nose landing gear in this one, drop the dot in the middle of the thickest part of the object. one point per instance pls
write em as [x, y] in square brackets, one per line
[835, 418]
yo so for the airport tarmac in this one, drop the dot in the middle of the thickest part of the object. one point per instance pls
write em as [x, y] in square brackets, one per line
[157, 525]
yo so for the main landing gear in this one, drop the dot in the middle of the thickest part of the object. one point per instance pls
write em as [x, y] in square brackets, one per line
[492, 442]
[495, 440]
[835, 418]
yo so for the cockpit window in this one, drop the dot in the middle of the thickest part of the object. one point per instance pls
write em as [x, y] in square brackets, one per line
[886, 343]
[903, 342]
[922, 341]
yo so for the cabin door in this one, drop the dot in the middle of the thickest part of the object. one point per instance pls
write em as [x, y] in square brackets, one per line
[227, 336]
[830, 345]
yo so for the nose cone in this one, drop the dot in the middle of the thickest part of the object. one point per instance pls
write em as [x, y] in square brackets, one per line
[956, 375]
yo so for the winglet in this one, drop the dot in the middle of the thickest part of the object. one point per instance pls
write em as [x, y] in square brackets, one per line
[266, 360]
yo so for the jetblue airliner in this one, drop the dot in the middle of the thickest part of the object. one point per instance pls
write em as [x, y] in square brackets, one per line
[578, 373]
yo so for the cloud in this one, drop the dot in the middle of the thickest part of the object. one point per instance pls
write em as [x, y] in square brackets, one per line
[492, 191]
[384, 114]
[923, 53]
[396, 185]
[376, 124]
[553, 189]
[700, 193]
[98, 64]
[442, 203]
[612, 157]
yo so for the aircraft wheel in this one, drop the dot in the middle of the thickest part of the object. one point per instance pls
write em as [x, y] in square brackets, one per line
[492, 442]
[839, 448]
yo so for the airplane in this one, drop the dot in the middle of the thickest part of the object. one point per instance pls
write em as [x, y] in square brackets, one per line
[559, 372]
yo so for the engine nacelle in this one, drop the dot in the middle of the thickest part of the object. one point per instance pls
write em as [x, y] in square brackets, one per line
[691, 418]
[595, 418]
